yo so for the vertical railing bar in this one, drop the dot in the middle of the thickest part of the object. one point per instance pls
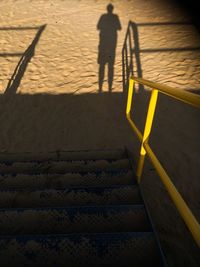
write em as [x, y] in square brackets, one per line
[128, 108]
[147, 131]
[130, 96]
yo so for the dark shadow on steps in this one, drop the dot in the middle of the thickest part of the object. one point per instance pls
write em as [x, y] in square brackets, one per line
[44, 122]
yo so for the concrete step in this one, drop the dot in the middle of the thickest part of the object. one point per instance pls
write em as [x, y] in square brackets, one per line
[28, 181]
[68, 197]
[108, 154]
[108, 249]
[84, 219]
[65, 166]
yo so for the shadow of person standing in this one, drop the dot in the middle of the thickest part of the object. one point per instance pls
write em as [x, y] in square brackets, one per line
[108, 25]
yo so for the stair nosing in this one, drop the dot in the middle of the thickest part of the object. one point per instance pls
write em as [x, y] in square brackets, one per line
[117, 234]
[56, 173]
[24, 154]
[136, 206]
[71, 188]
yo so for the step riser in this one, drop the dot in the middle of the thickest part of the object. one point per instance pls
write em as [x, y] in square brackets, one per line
[63, 198]
[105, 250]
[74, 220]
[65, 166]
[67, 180]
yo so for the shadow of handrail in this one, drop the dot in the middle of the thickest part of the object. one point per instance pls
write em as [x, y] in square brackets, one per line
[11, 54]
[131, 48]
[20, 69]
[167, 23]
[131, 62]
[13, 28]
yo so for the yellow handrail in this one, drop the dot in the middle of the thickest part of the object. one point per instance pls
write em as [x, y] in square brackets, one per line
[183, 96]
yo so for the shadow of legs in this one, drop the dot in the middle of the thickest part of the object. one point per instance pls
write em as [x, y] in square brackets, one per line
[110, 75]
[101, 76]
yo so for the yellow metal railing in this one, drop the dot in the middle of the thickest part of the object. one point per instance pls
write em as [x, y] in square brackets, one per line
[189, 98]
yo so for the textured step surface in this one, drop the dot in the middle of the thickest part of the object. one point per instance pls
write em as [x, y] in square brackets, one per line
[118, 249]
[66, 180]
[65, 166]
[63, 155]
[73, 209]
[69, 197]
[74, 220]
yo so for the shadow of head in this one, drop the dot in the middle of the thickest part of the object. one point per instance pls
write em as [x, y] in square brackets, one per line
[110, 8]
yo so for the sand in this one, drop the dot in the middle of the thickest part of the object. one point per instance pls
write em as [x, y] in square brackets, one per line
[52, 102]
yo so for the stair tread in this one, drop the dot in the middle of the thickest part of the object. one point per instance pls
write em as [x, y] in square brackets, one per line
[123, 218]
[81, 207]
[55, 206]
[121, 249]
[63, 155]
[65, 166]
[72, 196]
[64, 180]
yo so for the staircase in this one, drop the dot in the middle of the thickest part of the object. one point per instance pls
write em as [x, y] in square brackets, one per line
[74, 209]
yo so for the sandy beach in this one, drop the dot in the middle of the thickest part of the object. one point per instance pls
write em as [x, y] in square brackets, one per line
[50, 99]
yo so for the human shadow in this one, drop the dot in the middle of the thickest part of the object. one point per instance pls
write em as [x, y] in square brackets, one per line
[108, 25]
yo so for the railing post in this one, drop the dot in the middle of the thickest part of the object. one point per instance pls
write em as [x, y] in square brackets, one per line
[147, 131]
[130, 97]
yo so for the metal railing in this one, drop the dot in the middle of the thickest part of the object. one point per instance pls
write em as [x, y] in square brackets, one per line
[189, 98]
